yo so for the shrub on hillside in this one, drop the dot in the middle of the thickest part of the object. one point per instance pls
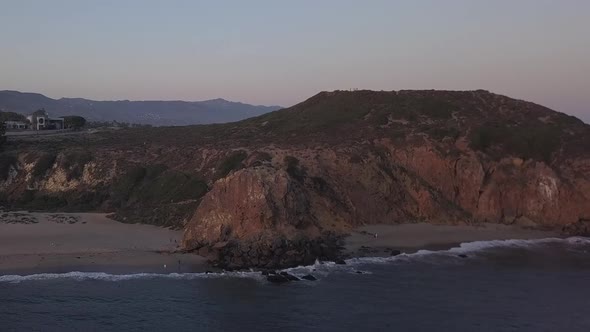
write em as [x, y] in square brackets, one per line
[232, 162]
[294, 169]
[534, 141]
[6, 161]
[74, 161]
[44, 162]
[12, 116]
[155, 185]
[2, 137]
[74, 121]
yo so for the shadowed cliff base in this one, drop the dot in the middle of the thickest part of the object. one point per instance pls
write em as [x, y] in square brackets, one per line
[313, 172]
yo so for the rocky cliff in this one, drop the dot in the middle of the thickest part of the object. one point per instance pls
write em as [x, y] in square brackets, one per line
[279, 189]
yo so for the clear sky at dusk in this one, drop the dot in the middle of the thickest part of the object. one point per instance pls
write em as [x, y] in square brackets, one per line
[281, 52]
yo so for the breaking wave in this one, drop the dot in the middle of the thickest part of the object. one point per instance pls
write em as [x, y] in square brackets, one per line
[474, 248]
[467, 248]
[318, 269]
[80, 276]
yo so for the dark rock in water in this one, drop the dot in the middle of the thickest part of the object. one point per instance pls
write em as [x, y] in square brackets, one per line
[268, 272]
[579, 228]
[309, 277]
[340, 262]
[462, 256]
[290, 277]
[395, 252]
[207, 272]
[270, 253]
[277, 279]
[358, 272]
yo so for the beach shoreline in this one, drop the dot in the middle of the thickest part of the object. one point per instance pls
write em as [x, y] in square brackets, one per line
[107, 262]
[36, 243]
[388, 240]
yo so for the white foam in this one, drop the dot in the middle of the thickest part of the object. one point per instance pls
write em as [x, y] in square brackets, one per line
[470, 248]
[323, 269]
[79, 276]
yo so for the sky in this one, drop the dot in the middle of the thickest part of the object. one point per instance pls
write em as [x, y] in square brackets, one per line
[282, 52]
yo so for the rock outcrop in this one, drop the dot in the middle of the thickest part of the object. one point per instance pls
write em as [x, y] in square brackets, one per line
[580, 228]
[259, 217]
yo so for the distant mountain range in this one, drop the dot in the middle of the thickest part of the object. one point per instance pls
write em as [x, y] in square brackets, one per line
[157, 113]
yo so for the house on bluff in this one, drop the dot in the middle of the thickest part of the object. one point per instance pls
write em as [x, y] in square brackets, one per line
[40, 120]
[16, 125]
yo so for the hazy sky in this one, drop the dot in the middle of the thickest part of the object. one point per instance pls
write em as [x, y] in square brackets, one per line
[281, 52]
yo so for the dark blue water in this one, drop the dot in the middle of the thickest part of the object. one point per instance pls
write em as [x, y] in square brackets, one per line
[508, 287]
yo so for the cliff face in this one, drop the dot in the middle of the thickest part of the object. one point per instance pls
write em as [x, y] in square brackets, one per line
[247, 202]
[279, 189]
[258, 216]
[508, 189]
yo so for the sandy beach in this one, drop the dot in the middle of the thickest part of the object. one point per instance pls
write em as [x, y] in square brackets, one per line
[380, 240]
[64, 242]
[91, 242]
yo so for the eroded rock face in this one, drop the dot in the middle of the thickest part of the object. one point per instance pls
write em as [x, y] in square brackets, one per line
[504, 190]
[258, 216]
[248, 202]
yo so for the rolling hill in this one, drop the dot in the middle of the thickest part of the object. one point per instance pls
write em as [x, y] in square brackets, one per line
[157, 113]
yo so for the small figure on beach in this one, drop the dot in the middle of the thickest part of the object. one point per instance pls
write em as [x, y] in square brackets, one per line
[375, 235]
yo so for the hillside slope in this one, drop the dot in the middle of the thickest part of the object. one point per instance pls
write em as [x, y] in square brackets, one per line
[157, 113]
[279, 189]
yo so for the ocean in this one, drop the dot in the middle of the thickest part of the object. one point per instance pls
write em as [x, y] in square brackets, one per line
[514, 285]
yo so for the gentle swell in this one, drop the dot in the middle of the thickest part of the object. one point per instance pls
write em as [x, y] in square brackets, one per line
[319, 269]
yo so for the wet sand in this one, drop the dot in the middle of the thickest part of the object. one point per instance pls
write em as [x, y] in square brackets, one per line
[413, 237]
[64, 242]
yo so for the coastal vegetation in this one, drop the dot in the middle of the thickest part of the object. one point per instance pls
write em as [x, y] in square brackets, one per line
[74, 121]
[7, 161]
[2, 137]
[232, 162]
[535, 141]
[11, 116]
